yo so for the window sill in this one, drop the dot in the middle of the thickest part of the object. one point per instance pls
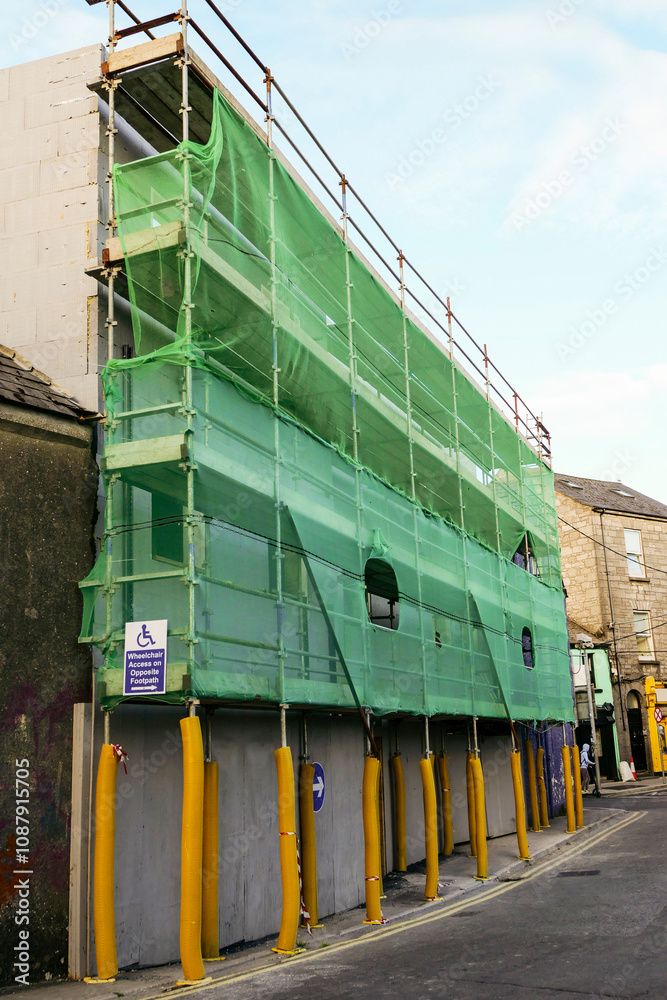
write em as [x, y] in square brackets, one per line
[648, 659]
[639, 579]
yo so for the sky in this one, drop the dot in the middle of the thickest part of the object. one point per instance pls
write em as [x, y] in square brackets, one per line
[515, 151]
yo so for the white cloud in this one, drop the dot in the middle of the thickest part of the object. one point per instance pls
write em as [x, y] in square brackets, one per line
[49, 27]
[621, 83]
[608, 425]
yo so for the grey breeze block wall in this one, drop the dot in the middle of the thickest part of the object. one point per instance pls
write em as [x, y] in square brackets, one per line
[53, 210]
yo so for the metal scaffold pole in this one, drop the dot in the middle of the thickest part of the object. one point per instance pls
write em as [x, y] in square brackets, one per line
[280, 641]
[352, 362]
[110, 84]
[187, 307]
[492, 463]
[413, 480]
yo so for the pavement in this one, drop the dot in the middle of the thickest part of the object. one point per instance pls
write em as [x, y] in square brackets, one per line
[403, 905]
[646, 784]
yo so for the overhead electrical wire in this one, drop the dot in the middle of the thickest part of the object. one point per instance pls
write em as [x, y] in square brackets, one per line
[301, 551]
[654, 569]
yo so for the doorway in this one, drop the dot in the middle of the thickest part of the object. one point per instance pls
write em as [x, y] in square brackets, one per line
[636, 731]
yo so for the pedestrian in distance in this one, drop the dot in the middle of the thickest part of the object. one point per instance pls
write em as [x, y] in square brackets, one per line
[585, 761]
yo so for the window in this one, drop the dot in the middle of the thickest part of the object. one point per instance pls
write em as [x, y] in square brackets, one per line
[573, 486]
[623, 493]
[633, 547]
[642, 621]
[525, 557]
[381, 594]
[527, 649]
[167, 529]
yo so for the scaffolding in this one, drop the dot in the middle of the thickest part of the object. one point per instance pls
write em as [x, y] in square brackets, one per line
[288, 427]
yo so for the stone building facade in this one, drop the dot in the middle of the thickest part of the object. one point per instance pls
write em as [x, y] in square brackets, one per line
[614, 558]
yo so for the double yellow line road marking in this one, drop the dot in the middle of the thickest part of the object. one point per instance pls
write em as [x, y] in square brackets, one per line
[411, 922]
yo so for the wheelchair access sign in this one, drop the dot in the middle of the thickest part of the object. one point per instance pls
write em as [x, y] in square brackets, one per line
[145, 659]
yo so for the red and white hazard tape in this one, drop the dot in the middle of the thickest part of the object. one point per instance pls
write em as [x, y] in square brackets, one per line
[304, 912]
[120, 753]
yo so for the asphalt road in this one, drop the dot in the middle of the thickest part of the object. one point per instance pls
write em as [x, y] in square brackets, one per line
[590, 923]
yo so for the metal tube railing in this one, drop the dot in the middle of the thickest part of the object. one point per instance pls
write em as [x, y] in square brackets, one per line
[530, 425]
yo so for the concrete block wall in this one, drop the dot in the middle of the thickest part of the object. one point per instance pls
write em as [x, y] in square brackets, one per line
[48, 180]
[148, 819]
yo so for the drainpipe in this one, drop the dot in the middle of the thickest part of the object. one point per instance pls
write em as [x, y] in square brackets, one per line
[613, 620]
[591, 715]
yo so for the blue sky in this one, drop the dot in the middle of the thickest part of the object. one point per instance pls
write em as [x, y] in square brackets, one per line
[517, 152]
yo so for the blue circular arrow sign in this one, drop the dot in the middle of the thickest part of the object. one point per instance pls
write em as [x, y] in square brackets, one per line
[318, 787]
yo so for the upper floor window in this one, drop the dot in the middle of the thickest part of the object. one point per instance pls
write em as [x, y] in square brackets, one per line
[525, 557]
[527, 649]
[633, 548]
[381, 594]
[644, 635]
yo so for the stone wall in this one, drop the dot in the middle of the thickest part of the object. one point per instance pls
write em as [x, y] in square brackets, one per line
[588, 603]
[47, 506]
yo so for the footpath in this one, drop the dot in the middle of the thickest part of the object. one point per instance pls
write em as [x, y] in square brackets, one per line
[403, 903]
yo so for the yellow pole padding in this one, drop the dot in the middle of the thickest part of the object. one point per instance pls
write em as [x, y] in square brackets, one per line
[567, 778]
[371, 841]
[542, 788]
[103, 877]
[430, 829]
[532, 787]
[399, 812]
[519, 806]
[578, 799]
[308, 842]
[289, 870]
[192, 840]
[480, 819]
[377, 806]
[210, 943]
[447, 828]
[472, 819]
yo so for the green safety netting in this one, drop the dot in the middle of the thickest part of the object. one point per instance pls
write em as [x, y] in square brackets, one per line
[285, 421]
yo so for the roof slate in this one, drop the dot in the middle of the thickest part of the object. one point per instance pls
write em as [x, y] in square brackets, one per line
[22, 384]
[602, 493]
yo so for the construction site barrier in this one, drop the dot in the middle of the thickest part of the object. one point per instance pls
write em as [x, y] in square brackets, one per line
[480, 820]
[289, 866]
[191, 849]
[103, 876]
[532, 787]
[371, 841]
[567, 778]
[519, 806]
[308, 842]
[399, 812]
[430, 829]
[542, 789]
[578, 798]
[447, 826]
[210, 942]
[472, 819]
